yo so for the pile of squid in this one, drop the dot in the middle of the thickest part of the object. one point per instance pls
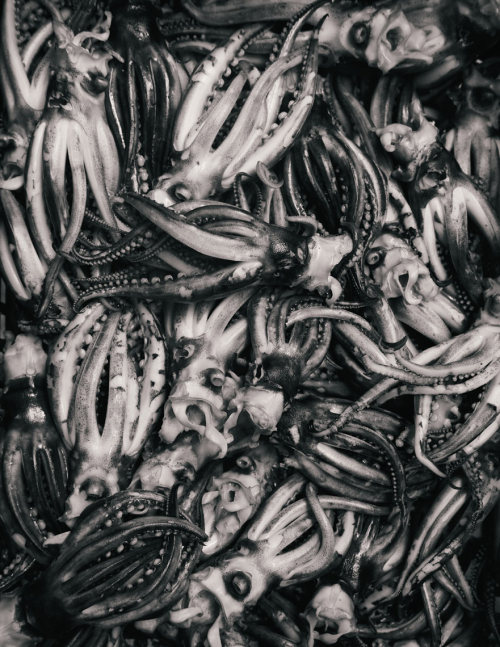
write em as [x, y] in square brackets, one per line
[249, 323]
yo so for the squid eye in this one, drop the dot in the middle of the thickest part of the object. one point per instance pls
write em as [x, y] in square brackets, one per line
[394, 37]
[181, 193]
[494, 306]
[215, 378]
[239, 585]
[483, 98]
[360, 35]
[185, 352]
[375, 258]
[245, 464]
[94, 488]
[393, 228]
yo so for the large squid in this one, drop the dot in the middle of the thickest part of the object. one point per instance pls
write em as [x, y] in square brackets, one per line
[33, 486]
[474, 351]
[204, 340]
[73, 134]
[107, 390]
[455, 367]
[128, 557]
[25, 76]
[23, 91]
[23, 267]
[207, 159]
[221, 593]
[417, 300]
[144, 93]
[474, 139]
[252, 253]
[443, 195]
[383, 36]
[349, 465]
[232, 496]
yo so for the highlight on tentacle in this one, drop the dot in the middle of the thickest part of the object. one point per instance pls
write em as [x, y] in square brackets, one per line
[205, 165]
[107, 388]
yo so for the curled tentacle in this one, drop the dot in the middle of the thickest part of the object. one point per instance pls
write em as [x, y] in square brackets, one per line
[107, 393]
[283, 358]
[128, 573]
[35, 473]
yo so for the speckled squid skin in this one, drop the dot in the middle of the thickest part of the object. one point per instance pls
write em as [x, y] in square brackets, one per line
[101, 456]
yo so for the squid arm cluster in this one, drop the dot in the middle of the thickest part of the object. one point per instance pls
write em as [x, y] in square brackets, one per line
[250, 323]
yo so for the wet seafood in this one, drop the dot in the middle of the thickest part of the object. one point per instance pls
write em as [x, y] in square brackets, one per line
[249, 323]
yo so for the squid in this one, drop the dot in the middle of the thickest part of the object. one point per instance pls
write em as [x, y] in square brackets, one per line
[456, 367]
[107, 387]
[384, 37]
[23, 268]
[143, 94]
[472, 351]
[204, 340]
[207, 159]
[473, 141]
[232, 496]
[432, 549]
[219, 594]
[255, 253]
[288, 343]
[332, 178]
[26, 58]
[444, 196]
[347, 465]
[128, 557]
[330, 607]
[73, 132]
[24, 86]
[34, 482]
[318, 166]
[417, 300]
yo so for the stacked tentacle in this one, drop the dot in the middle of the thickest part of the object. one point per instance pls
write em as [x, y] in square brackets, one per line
[249, 323]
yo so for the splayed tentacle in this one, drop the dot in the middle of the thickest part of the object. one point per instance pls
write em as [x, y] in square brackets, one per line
[129, 573]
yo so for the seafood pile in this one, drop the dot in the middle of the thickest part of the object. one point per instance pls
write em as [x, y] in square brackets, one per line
[250, 323]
